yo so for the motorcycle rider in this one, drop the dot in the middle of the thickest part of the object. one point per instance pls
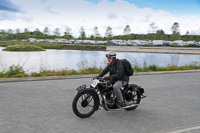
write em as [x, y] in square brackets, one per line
[117, 76]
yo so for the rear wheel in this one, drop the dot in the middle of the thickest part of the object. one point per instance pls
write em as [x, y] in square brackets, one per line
[135, 100]
[84, 104]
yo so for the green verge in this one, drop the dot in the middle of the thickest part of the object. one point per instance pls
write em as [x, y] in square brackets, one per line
[18, 71]
[154, 68]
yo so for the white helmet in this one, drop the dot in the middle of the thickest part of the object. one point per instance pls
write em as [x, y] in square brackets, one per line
[111, 54]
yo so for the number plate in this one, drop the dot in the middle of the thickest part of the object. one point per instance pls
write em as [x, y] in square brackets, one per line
[94, 83]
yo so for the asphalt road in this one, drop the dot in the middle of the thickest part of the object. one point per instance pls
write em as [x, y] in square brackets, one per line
[172, 106]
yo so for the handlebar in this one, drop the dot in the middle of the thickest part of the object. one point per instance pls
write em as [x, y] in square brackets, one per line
[105, 83]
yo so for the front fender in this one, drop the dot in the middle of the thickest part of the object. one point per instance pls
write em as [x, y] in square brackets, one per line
[81, 88]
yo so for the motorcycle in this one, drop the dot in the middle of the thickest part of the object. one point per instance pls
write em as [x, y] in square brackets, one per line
[101, 93]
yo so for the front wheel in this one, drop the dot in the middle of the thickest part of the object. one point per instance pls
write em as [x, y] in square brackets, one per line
[84, 104]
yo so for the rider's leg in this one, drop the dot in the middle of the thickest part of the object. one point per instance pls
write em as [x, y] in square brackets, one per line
[118, 93]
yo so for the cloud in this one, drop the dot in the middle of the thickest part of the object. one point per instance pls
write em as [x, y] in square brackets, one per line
[93, 1]
[49, 9]
[98, 1]
[7, 5]
[43, 1]
[112, 16]
[6, 15]
[118, 14]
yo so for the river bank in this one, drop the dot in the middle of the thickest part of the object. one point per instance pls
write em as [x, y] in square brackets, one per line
[3, 80]
[89, 47]
[58, 46]
[19, 72]
[167, 50]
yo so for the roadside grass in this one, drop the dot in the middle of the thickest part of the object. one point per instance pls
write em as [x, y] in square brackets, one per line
[154, 68]
[18, 71]
[14, 72]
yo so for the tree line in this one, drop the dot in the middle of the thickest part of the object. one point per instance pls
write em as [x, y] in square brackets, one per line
[153, 34]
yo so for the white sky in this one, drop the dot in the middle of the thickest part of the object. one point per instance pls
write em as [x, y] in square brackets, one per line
[32, 14]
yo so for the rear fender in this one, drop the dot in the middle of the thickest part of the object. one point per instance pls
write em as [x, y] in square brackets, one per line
[136, 88]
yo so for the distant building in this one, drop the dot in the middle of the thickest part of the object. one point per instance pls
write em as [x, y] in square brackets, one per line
[191, 42]
[61, 40]
[101, 42]
[167, 43]
[158, 42]
[117, 42]
[79, 41]
[32, 39]
[141, 42]
[178, 42]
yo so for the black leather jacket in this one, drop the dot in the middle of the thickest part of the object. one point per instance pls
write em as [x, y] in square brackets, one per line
[116, 70]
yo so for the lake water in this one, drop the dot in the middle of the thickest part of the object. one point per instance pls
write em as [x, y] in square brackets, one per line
[78, 59]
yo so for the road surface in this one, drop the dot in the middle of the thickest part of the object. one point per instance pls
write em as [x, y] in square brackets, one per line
[172, 106]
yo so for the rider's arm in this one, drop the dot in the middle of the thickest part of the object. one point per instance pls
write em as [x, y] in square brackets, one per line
[106, 69]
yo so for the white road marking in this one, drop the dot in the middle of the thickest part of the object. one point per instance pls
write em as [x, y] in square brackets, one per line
[185, 130]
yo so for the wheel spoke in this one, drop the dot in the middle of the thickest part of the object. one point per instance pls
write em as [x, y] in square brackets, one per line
[82, 97]
[89, 105]
[89, 99]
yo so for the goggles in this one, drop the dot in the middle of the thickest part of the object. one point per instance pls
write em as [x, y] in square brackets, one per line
[110, 56]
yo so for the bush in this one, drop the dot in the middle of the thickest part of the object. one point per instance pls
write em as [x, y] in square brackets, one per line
[62, 73]
[15, 70]
[51, 73]
[73, 72]
[36, 74]
[183, 68]
[2, 75]
[153, 67]
[172, 68]
[19, 75]
[138, 69]
[90, 71]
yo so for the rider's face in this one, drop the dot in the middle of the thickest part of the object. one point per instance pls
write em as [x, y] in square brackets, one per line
[110, 60]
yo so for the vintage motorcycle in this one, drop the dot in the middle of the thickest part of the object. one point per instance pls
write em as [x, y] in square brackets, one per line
[100, 93]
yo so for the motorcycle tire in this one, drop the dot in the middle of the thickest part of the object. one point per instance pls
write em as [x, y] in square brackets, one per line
[84, 104]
